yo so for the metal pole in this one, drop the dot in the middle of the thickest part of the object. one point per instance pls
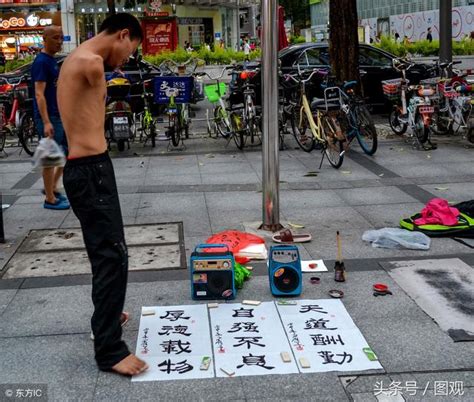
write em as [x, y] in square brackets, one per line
[238, 25]
[270, 149]
[2, 232]
[445, 31]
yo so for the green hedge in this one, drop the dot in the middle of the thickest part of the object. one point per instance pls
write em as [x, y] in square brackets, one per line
[297, 39]
[218, 56]
[14, 64]
[424, 47]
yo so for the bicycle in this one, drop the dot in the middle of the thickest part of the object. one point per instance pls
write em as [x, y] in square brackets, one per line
[245, 119]
[221, 123]
[325, 131]
[418, 114]
[20, 122]
[147, 121]
[455, 104]
[360, 124]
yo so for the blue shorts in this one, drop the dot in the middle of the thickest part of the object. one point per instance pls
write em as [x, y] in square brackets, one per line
[59, 135]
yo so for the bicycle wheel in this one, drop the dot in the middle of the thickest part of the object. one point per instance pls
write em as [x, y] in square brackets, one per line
[301, 132]
[27, 134]
[420, 130]
[220, 121]
[397, 126]
[238, 130]
[334, 147]
[367, 133]
[173, 129]
[153, 134]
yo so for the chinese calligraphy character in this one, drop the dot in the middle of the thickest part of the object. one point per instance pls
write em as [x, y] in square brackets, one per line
[306, 308]
[181, 367]
[319, 339]
[410, 387]
[251, 360]
[317, 324]
[174, 315]
[172, 346]
[328, 357]
[243, 313]
[379, 389]
[244, 326]
[456, 388]
[178, 329]
[394, 388]
[249, 340]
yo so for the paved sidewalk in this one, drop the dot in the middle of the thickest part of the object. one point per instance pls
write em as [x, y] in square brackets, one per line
[45, 321]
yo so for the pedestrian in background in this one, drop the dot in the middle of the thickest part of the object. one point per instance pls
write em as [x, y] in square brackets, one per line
[44, 76]
[429, 37]
[397, 37]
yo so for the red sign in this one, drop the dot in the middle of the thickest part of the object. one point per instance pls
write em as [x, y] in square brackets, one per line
[160, 34]
[157, 13]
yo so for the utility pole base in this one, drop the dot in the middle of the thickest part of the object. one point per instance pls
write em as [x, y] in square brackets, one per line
[271, 228]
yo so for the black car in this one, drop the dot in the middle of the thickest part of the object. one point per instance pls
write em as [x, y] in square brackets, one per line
[375, 65]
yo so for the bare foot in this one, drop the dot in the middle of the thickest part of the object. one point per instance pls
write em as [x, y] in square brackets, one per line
[131, 365]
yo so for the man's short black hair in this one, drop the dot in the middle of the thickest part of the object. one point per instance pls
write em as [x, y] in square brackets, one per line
[116, 22]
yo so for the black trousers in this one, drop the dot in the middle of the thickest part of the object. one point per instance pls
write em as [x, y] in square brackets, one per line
[92, 191]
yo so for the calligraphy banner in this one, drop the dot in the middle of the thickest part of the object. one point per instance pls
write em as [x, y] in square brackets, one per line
[173, 342]
[249, 340]
[323, 333]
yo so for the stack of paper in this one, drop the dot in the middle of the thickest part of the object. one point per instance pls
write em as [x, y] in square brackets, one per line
[254, 252]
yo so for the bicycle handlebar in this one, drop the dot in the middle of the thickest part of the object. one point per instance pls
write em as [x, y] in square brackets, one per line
[205, 73]
[402, 64]
[292, 76]
[13, 83]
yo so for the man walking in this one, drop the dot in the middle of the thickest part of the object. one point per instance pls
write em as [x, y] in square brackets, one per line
[44, 75]
[429, 36]
[89, 181]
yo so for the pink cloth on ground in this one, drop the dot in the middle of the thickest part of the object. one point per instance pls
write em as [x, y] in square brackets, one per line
[438, 212]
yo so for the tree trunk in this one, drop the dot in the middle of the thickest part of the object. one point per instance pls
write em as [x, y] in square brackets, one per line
[344, 40]
[111, 7]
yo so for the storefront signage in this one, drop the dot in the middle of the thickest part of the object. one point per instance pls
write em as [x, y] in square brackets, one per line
[190, 21]
[159, 35]
[157, 14]
[24, 21]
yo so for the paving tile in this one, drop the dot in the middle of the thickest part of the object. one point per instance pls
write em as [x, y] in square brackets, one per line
[65, 363]
[6, 296]
[380, 195]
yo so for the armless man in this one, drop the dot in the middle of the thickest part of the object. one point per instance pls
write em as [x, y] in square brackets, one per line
[90, 185]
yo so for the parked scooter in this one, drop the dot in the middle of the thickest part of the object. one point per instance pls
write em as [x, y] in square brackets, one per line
[118, 113]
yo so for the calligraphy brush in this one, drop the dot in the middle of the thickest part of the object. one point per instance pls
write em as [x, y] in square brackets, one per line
[339, 265]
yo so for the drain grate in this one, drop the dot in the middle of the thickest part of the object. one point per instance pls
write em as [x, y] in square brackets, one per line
[59, 252]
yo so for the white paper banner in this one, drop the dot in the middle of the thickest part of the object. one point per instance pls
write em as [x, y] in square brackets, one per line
[173, 342]
[248, 340]
[323, 333]
[313, 266]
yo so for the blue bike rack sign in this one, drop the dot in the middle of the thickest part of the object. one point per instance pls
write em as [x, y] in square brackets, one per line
[179, 87]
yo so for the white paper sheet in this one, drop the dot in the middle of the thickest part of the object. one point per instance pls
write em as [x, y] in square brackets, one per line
[320, 266]
[248, 340]
[323, 332]
[173, 342]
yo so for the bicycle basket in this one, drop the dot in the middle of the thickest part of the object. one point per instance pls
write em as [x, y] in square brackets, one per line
[212, 92]
[181, 86]
[392, 89]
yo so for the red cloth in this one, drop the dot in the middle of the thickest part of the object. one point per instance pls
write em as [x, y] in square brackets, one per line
[236, 241]
[282, 39]
[438, 212]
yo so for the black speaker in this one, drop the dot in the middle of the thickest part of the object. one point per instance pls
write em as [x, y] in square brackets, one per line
[284, 271]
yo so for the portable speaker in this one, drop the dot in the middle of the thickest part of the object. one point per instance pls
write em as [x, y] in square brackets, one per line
[212, 272]
[284, 271]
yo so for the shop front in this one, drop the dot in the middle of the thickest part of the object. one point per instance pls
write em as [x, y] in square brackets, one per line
[21, 33]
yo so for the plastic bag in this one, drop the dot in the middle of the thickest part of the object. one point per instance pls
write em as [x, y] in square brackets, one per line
[48, 154]
[397, 239]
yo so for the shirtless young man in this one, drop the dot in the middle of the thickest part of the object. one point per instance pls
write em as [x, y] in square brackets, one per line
[89, 181]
